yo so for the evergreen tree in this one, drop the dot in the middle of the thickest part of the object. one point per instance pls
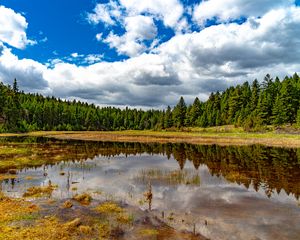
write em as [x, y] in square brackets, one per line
[168, 118]
[298, 117]
[254, 95]
[196, 111]
[179, 113]
[273, 102]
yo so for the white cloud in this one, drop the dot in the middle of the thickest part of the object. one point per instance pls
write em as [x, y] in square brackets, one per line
[170, 11]
[92, 58]
[13, 29]
[74, 55]
[107, 13]
[130, 15]
[99, 36]
[191, 64]
[29, 73]
[124, 45]
[138, 29]
[227, 10]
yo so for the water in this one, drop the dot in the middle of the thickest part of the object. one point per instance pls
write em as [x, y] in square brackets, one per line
[248, 192]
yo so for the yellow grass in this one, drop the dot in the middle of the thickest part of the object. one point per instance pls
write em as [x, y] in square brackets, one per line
[225, 135]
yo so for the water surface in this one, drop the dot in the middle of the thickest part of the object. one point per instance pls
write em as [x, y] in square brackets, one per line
[245, 192]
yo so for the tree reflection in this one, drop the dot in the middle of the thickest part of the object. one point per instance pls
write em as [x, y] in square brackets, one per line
[268, 168]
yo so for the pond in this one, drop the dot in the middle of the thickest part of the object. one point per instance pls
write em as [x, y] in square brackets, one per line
[232, 192]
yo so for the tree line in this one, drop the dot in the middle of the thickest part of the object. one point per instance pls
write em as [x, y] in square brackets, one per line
[251, 106]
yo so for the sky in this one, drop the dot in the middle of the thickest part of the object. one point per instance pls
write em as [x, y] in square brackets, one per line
[145, 53]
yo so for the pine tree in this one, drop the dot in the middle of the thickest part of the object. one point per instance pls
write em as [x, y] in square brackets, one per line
[168, 118]
[179, 113]
[254, 95]
[285, 108]
[196, 111]
[298, 118]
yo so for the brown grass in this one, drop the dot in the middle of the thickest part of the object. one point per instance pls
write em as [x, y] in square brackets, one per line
[224, 139]
[196, 136]
[84, 198]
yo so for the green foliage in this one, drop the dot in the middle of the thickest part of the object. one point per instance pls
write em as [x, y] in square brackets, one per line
[298, 118]
[179, 113]
[251, 106]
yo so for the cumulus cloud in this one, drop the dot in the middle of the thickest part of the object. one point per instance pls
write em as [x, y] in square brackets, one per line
[13, 29]
[108, 13]
[138, 29]
[228, 10]
[190, 64]
[29, 73]
[170, 11]
[137, 20]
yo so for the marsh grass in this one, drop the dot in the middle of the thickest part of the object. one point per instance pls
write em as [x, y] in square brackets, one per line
[84, 198]
[149, 232]
[109, 208]
[36, 191]
[167, 177]
[222, 135]
[7, 177]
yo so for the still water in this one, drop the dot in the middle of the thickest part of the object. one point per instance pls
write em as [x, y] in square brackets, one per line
[247, 192]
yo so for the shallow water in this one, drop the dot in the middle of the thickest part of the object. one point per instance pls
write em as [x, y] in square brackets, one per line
[248, 192]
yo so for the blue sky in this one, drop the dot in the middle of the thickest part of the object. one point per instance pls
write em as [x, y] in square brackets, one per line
[145, 53]
[60, 23]
[62, 28]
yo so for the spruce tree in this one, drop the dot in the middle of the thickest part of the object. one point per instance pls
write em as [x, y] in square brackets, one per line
[179, 113]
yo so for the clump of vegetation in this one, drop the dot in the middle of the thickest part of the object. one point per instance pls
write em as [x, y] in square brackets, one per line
[109, 207]
[175, 177]
[85, 229]
[2, 196]
[149, 195]
[39, 191]
[125, 219]
[236, 177]
[83, 198]
[73, 224]
[149, 232]
[7, 177]
[67, 204]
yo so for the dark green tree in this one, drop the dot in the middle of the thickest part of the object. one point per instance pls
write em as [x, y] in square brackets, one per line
[179, 113]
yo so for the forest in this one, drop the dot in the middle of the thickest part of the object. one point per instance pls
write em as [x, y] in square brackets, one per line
[251, 106]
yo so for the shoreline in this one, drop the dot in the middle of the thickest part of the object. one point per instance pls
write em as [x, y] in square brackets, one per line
[207, 138]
